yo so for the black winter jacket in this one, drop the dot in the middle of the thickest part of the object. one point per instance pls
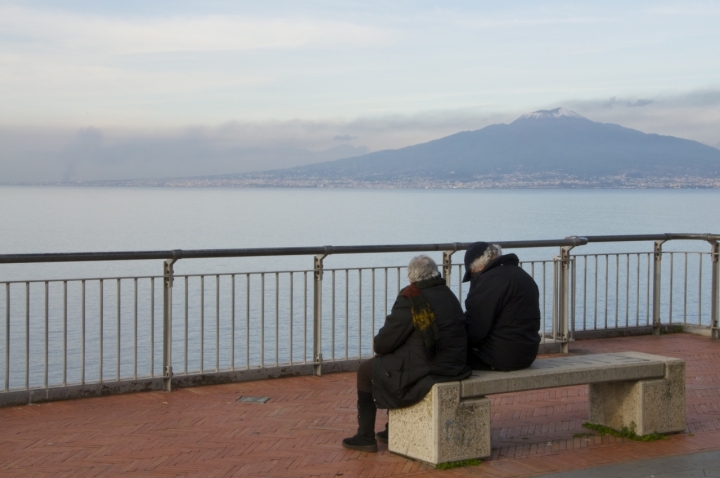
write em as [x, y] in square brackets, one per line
[402, 373]
[502, 315]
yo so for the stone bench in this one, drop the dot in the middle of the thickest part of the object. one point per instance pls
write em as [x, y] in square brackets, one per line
[453, 421]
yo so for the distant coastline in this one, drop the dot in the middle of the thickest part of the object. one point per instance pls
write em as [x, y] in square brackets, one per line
[505, 181]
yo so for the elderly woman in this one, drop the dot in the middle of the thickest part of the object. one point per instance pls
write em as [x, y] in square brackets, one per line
[423, 342]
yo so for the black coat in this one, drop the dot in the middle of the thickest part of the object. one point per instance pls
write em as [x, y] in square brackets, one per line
[402, 373]
[502, 312]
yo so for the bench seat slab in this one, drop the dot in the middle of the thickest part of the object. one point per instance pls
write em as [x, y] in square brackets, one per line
[442, 427]
[566, 371]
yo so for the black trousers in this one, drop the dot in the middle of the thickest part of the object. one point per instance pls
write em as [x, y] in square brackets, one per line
[364, 376]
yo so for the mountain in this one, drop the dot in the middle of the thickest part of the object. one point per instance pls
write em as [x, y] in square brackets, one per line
[555, 142]
[555, 148]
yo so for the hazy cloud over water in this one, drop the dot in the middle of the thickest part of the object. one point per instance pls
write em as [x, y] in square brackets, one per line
[92, 153]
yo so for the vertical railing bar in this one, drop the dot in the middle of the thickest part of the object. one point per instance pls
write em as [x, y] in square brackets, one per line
[152, 327]
[82, 342]
[332, 316]
[685, 282]
[232, 324]
[647, 306]
[277, 316]
[627, 290]
[460, 276]
[398, 281]
[544, 295]
[7, 336]
[202, 324]
[572, 298]
[262, 320]
[617, 290]
[135, 327]
[292, 320]
[700, 266]
[187, 324]
[117, 371]
[607, 289]
[47, 331]
[347, 312]
[305, 308]
[672, 256]
[65, 348]
[595, 297]
[386, 299]
[102, 331]
[247, 321]
[637, 293]
[556, 298]
[585, 292]
[557, 269]
[217, 322]
[27, 335]
[360, 313]
[372, 320]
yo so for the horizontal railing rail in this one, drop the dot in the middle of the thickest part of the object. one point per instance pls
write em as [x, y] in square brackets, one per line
[178, 254]
[73, 337]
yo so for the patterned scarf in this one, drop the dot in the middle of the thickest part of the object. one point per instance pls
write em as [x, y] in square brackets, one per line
[422, 315]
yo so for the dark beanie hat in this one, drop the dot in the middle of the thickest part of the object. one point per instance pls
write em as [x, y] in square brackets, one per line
[475, 250]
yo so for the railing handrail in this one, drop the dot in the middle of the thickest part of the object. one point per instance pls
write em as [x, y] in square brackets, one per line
[328, 250]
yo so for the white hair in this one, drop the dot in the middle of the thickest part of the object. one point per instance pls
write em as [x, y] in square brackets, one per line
[492, 251]
[420, 268]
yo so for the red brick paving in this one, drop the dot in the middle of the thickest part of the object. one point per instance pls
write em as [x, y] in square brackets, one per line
[203, 431]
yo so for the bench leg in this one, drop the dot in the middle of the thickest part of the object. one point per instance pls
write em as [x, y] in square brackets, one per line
[654, 406]
[442, 428]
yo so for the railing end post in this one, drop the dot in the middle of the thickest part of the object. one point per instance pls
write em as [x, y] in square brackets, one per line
[318, 268]
[657, 279]
[168, 279]
[447, 262]
[715, 293]
[167, 379]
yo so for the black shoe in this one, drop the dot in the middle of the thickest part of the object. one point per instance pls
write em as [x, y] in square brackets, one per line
[364, 439]
[360, 443]
[382, 436]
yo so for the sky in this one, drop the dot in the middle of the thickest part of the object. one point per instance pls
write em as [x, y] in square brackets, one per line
[111, 90]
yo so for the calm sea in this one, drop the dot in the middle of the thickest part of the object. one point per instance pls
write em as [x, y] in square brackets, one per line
[60, 219]
[266, 322]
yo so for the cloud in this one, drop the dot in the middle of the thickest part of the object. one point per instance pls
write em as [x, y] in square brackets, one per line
[691, 115]
[85, 33]
[50, 154]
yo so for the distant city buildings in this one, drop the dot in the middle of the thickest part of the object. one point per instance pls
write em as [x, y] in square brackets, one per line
[509, 181]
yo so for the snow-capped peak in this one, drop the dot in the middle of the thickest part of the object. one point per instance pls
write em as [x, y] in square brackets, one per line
[548, 114]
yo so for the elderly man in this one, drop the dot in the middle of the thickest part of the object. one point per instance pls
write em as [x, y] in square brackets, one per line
[422, 343]
[502, 310]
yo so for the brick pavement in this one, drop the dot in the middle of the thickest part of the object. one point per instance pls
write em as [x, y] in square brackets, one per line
[204, 431]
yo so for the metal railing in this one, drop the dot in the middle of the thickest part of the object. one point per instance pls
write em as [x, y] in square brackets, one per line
[76, 337]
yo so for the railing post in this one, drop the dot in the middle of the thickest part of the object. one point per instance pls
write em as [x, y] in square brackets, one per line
[563, 307]
[715, 294]
[657, 277]
[168, 276]
[447, 264]
[317, 312]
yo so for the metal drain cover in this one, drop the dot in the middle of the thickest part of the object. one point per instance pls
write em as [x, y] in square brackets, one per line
[253, 399]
